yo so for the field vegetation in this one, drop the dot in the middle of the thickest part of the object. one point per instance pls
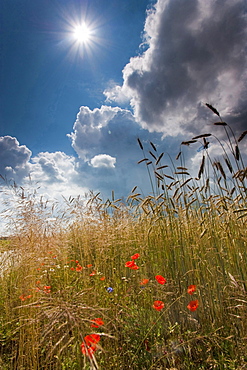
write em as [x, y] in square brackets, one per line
[150, 282]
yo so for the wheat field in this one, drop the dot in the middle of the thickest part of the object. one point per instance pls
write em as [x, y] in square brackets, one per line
[149, 282]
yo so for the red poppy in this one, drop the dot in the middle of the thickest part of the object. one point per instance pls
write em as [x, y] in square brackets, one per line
[102, 278]
[47, 289]
[158, 305]
[134, 267]
[92, 339]
[79, 267]
[191, 289]
[144, 281]
[87, 350]
[160, 279]
[135, 256]
[193, 305]
[92, 273]
[97, 322]
[90, 265]
[89, 345]
[129, 263]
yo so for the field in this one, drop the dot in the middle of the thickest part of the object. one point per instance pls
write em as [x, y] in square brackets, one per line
[150, 282]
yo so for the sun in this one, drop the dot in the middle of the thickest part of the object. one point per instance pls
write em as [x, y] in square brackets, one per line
[82, 33]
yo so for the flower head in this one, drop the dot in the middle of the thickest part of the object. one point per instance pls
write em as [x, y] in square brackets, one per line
[144, 281]
[97, 322]
[160, 279]
[89, 345]
[158, 305]
[193, 305]
[109, 289]
[135, 256]
[129, 263]
[79, 267]
[191, 289]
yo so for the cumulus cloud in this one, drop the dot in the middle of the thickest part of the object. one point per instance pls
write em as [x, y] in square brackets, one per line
[103, 160]
[53, 167]
[105, 140]
[115, 93]
[88, 128]
[195, 53]
[14, 158]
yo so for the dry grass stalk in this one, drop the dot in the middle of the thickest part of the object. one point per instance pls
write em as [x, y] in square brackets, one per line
[142, 160]
[228, 163]
[159, 158]
[220, 123]
[152, 154]
[185, 182]
[242, 136]
[213, 109]
[237, 153]
[153, 146]
[201, 136]
[188, 142]
[161, 167]
[182, 173]
[220, 168]
[201, 167]
[158, 175]
[140, 144]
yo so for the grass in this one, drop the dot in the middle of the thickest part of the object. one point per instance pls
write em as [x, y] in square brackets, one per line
[64, 274]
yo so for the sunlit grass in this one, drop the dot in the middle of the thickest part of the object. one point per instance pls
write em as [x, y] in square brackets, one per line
[64, 274]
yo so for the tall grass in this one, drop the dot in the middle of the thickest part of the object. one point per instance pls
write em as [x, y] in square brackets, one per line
[64, 274]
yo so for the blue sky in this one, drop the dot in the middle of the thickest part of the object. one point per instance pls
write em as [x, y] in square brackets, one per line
[71, 112]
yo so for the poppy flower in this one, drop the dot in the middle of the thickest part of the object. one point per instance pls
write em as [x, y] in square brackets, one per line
[89, 345]
[97, 322]
[134, 267]
[158, 305]
[79, 267]
[90, 265]
[47, 289]
[135, 256]
[160, 279]
[129, 263]
[193, 305]
[87, 351]
[144, 281]
[92, 273]
[191, 289]
[102, 278]
[92, 339]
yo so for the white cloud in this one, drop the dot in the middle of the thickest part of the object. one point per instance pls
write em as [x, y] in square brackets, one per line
[196, 53]
[115, 93]
[103, 161]
[88, 128]
[53, 167]
[14, 158]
